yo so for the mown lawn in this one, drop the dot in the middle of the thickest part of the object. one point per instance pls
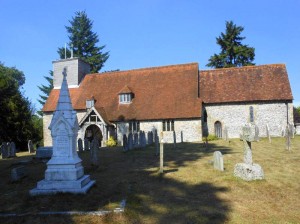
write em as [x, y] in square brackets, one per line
[190, 190]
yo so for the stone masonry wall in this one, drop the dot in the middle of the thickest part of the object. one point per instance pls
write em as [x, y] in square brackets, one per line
[234, 116]
[188, 130]
[77, 69]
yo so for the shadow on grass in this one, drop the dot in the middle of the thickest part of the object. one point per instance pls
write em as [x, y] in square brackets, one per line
[151, 198]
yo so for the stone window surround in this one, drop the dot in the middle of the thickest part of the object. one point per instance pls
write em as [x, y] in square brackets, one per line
[168, 125]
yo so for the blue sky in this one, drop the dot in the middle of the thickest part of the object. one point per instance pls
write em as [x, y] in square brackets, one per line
[146, 33]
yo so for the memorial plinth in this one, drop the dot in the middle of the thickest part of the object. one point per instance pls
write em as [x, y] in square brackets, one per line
[64, 173]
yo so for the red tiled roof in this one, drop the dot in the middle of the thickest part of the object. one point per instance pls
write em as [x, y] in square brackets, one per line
[126, 89]
[159, 93]
[249, 83]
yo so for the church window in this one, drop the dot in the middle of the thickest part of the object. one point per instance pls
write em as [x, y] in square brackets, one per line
[218, 129]
[125, 98]
[134, 126]
[168, 125]
[251, 114]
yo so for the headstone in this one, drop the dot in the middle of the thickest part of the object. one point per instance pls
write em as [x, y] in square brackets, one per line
[144, 141]
[30, 147]
[161, 156]
[18, 173]
[248, 170]
[288, 135]
[8, 149]
[256, 133]
[268, 133]
[292, 130]
[174, 139]
[12, 149]
[86, 144]
[125, 143]
[218, 161]
[135, 140]
[156, 144]
[80, 145]
[44, 152]
[4, 150]
[225, 134]
[130, 141]
[94, 152]
[64, 173]
[150, 138]
[283, 134]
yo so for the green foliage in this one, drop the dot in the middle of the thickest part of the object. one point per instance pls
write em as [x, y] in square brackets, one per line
[83, 41]
[296, 114]
[46, 89]
[210, 137]
[16, 112]
[111, 142]
[233, 52]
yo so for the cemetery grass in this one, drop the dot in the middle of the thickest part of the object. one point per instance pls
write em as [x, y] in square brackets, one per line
[189, 190]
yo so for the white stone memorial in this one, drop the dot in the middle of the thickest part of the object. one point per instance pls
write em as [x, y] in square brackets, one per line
[64, 173]
[218, 161]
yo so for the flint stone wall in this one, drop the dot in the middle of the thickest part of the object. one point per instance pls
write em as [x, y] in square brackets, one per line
[234, 116]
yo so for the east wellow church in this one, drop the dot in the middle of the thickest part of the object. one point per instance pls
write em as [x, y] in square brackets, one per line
[176, 98]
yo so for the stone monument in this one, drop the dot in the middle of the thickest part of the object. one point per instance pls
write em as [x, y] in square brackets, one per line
[30, 147]
[64, 173]
[218, 161]
[248, 170]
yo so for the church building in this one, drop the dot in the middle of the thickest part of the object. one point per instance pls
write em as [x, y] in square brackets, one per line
[178, 99]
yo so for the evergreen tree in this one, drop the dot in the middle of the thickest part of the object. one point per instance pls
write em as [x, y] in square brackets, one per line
[83, 42]
[46, 89]
[233, 52]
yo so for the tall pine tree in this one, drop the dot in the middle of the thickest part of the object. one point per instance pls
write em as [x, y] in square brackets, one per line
[233, 52]
[84, 42]
[46, 89]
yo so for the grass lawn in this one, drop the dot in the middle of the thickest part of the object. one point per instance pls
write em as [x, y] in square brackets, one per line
[189, 191]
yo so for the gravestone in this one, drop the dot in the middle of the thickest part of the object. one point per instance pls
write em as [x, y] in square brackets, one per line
[256, 133]
[94, 152]
[144, 141]
[30, 147]
[80, 145]
[86, 144]
[288, 136]
[156, 144]
[150, 138]
[248, 170]
[44, 152]
[64, 173]
[8, 149]
[225, 134]
[18, 173]
[268, 133]
[4, 150]
[161, 156]
[292, 130]
[218, 161]
[12, 149]
[174, 139]
[130, 141]
[135, 140]
[125, 143]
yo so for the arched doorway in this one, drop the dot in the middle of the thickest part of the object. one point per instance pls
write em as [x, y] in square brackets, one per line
[218, 129]
[92, 131]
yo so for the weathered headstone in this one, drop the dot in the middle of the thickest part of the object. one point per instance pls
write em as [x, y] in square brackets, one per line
[64, 173]
[174, 139]
[144, 141]
[135, 140]
[248, 170]
[225, 134]
[256, 133]
[80, 145]
[288, 135]
[268, 133]
[12, 149]
[4, 150]
[18, 173]
[292, 130]
[8, 149]
[218, 161]
[130, 141]
[30, 147]
[125, 143]
[156, 144]
[161, 156]
[94, 152]
[44, 152]
[86, 144]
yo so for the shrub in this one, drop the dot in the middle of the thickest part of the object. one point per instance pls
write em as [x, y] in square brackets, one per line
[111, 142]
[210, 138]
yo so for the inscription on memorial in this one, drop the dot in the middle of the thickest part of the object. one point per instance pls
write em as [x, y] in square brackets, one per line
[62, 142]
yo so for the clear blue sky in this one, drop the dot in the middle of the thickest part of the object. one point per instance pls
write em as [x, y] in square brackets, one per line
[146, 33]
